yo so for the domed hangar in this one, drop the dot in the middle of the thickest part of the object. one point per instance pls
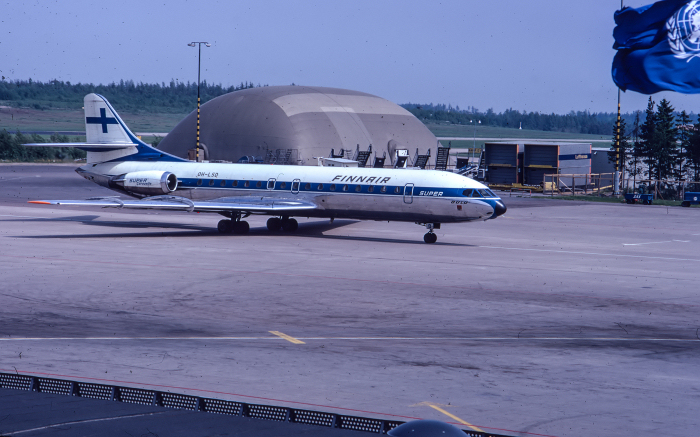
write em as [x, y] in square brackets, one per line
[295, 124]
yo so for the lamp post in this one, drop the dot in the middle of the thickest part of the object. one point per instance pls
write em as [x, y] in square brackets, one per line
[199, 69]
[474, 143]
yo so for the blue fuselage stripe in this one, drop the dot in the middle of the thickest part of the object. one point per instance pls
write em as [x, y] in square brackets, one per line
[317, 187]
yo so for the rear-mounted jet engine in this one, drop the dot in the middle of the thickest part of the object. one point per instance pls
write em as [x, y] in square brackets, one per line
[149, 183]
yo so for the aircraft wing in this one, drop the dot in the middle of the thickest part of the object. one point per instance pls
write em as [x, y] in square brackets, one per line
[177, 203]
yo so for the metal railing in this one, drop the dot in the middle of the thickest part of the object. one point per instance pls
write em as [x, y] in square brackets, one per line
[591, 183]
[208, 405]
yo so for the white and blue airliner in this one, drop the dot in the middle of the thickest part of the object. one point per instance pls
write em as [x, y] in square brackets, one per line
[118, 160]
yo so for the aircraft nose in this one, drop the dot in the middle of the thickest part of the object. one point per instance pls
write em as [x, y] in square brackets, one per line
[499, 209]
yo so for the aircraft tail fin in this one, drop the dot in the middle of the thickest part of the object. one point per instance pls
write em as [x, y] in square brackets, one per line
[108, 138]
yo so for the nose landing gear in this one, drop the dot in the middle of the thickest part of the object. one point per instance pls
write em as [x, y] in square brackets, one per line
[430, 236]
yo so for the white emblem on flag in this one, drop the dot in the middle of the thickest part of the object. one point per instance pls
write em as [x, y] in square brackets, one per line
[684, 31]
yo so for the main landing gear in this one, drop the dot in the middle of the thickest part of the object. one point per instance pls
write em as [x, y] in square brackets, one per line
[288, 224]
[227, 226]
[430, 236]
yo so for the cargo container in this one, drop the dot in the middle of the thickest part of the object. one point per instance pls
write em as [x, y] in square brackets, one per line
[503, 163]
[555, 158]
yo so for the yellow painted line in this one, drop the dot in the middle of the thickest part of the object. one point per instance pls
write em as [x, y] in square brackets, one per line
[286, 337]
[475, 428]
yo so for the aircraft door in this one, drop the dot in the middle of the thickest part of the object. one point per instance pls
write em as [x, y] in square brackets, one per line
[408, 193]
[295, 186]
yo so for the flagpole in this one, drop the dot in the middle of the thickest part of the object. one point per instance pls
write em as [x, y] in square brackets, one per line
[616, 180]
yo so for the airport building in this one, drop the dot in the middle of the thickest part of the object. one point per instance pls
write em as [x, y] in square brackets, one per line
[298, 124]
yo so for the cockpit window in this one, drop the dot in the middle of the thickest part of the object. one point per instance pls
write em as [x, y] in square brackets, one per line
[486, 193]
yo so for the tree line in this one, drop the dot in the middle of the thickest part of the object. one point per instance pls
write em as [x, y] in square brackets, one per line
[582, 122]
[664, 145]
[11, 148]
[175, 97]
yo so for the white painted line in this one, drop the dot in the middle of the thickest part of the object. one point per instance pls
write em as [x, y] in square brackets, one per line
[591, 253]
[21, 216]
[657, 242]
[65, 219]
[21, 177]
[355, 338]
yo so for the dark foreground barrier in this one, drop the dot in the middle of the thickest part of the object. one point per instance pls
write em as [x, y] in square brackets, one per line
[195, 403]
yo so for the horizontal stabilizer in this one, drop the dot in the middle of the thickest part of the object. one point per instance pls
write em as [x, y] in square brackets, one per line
[177, 203]
[84, 146]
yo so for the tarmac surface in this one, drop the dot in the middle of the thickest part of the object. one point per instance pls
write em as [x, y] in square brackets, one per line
[559, 318]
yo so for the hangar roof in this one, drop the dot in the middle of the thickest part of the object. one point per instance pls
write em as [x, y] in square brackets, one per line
[312, 120]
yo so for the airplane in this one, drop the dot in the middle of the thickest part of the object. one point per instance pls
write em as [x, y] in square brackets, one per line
[120, 161]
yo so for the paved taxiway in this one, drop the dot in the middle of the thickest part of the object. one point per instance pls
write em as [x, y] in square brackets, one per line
[559, 318]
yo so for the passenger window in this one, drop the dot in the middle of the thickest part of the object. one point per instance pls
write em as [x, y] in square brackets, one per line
[332, 187]
[345, 188]
[222, 183]
[397, 190]
[383, 190]
[211, 182]
[259, 184]
[370, 189]
[358, 188]
[283, 185]
[246, 184]
[307, 186]
[320, 187]
[234, 183]
[199, 182]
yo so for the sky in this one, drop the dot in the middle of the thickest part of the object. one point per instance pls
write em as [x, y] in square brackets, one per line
[536, 55]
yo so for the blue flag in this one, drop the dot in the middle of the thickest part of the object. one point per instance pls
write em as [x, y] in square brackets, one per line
[658, 47]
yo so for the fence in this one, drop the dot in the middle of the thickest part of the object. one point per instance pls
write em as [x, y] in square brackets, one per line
[600, 184]
[591, 183]
[207, 405]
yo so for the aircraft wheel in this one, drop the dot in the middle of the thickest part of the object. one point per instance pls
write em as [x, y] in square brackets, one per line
[241, 227]
[685, 204]
[274, 224]
[629, 201]
[225, 226]
[430, 238]
[290, 225]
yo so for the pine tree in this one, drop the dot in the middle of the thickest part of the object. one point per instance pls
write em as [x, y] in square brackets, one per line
[647, 138]
[693, 150]
[636, 148]
[684, 129]
[666, 140]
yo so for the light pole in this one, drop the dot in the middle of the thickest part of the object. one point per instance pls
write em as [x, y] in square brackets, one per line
[474, 143]
[199, 69]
